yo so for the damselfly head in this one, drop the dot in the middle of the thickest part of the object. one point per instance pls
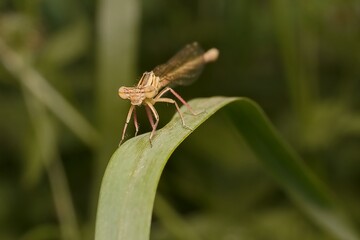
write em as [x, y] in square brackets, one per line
[134, 94]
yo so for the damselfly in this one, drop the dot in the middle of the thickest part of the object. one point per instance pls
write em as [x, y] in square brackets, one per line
[182, 69]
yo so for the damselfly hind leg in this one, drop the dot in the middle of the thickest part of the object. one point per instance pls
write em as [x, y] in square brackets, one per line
[169, 100]
[159, 98]
[185, 103]
[167, 89]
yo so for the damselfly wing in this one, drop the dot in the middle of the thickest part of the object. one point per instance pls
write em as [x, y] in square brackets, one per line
[183, 68]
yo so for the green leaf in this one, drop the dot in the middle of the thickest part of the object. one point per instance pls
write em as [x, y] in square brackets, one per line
[132, 175]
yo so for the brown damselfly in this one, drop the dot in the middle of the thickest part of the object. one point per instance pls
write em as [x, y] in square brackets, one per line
[182, 69]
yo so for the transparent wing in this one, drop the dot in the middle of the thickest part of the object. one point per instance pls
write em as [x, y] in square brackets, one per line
[183, 68]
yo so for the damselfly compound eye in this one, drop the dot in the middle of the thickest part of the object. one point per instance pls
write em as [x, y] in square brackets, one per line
[123, 93]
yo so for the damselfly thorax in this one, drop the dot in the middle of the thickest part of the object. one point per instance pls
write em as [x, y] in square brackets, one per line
[147, 87]
[181, 69]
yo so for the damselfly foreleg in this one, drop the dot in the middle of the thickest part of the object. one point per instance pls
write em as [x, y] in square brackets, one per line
[131, 110]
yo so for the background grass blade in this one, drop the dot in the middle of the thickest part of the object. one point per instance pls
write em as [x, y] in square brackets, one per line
[117, 29]
[46, 94]
[131, 178]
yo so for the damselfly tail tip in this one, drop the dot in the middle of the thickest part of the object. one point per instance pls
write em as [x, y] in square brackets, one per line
[211, 55]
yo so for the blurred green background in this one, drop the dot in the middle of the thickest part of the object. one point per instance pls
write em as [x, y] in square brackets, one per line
[62, 62]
